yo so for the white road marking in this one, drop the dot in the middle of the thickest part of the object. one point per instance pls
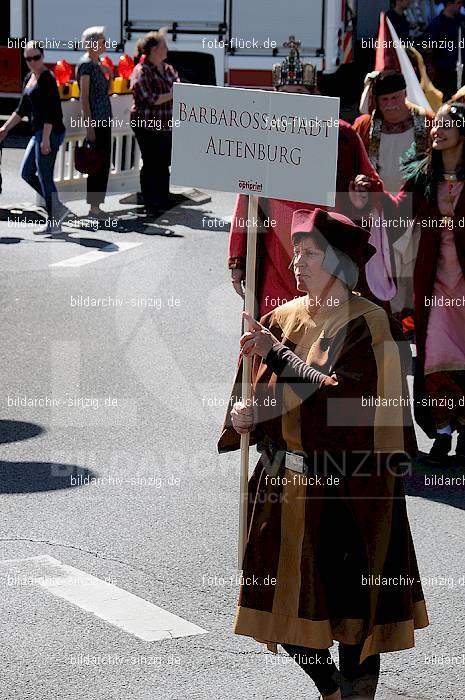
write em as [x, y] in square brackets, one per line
[95, 255]
[125, 610]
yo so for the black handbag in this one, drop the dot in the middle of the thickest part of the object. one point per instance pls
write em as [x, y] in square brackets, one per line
[88, 158]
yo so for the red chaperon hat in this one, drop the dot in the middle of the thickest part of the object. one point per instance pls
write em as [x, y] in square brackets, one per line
[338, 230]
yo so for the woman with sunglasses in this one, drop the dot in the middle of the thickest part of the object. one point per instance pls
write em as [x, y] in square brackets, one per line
[40, 101]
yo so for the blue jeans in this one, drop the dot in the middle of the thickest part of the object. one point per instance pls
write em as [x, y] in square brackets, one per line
[37, 170]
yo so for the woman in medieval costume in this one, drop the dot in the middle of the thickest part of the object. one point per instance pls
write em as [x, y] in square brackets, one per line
[434, 196]
[329, 553]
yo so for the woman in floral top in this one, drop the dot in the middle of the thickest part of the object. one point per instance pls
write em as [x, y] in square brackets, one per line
[96, 108]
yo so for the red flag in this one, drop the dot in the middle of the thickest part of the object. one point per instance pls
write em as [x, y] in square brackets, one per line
[386, 55]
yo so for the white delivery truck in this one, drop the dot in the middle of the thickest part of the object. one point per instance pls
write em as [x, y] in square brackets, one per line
[232, 42]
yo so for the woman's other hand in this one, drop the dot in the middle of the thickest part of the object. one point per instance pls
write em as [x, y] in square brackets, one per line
[331, 381]
[360, 188]
[3, 133]
[257, 341]
[238, 279]
[45, 148]
[242, 418]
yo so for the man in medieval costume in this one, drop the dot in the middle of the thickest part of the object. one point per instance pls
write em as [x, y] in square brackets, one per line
[275, 281]
[394, 132]
[391, 127]
[329, 554]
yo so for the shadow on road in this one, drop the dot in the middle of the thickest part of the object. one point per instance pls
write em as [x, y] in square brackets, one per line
[196, 219]
[127, 222]
[15, 431]
[27, 477]
[431, 482]
[95, 243]
[5, 240]
[131, 220]
[134, 220]
[18, 215]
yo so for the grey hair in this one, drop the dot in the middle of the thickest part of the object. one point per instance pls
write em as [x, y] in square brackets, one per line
[338, 264]
[91, 35]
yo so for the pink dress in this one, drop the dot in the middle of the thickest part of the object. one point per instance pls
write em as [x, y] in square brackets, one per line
[445, 342]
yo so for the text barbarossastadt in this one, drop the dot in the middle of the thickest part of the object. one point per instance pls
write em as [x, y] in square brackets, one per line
[256, 142]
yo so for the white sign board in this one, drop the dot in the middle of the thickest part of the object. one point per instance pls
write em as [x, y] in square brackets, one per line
[272, 144]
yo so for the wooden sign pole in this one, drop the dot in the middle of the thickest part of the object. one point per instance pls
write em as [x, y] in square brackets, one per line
[247, 370]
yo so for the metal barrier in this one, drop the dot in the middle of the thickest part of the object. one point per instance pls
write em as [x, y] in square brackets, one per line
[126, 159]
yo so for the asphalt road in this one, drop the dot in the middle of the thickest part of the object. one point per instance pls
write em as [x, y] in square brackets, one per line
[139, 384]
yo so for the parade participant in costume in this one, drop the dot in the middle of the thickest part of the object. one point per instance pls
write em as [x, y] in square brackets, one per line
[391, 126]
[434, 195]
[392, 130]
[321, 526]
[275, 281]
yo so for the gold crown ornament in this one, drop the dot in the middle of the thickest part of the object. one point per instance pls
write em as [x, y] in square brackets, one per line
[293, 71]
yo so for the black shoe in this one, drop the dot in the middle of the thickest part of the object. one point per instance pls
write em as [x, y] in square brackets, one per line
[154, 212]
[133, 198]
[363, 688]
[441, 447]
[50, 228]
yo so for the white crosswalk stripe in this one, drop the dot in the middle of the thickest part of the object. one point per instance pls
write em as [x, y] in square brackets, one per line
[95, 255]
[116, 606]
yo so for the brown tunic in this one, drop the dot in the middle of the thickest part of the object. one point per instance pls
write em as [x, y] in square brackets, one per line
[330, 555]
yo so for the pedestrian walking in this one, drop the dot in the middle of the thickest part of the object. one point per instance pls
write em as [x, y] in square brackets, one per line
[40, 102]
[96, 109]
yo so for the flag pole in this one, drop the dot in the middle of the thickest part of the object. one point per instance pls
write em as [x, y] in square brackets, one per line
[247, 370]
[459, 62]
